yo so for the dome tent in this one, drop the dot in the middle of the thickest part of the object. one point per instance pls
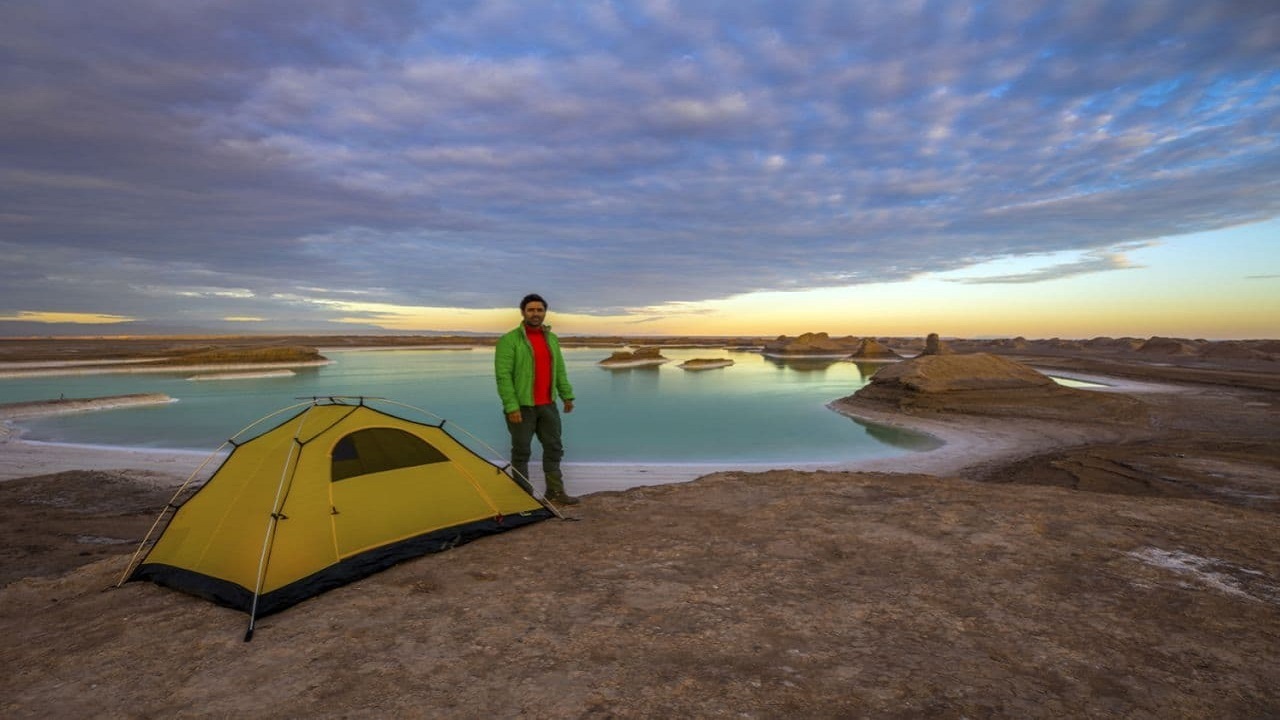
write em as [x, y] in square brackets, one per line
[336, 492]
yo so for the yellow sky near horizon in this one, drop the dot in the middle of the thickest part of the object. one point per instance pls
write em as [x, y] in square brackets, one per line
[1190, 286]
[1217, 285]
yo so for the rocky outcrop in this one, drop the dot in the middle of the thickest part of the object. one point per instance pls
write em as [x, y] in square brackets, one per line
[811, 345]
[639, 358]
[985, 384]
[933, 345]
[871, 349]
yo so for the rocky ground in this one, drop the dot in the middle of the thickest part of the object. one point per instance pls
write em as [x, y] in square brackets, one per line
[1132, 572]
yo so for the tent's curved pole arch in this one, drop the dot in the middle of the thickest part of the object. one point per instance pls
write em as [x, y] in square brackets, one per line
[172, 504]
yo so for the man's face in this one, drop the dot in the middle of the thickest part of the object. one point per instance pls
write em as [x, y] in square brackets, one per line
[534, 313]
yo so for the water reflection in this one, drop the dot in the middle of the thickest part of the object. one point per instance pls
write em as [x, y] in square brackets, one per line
[624, 369]
[867, 369]
[899, 437]
[800, 364]
[643, 378]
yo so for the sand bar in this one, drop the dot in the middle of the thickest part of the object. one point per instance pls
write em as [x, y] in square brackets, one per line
[243, 375]
[7, 370]
[41, 408]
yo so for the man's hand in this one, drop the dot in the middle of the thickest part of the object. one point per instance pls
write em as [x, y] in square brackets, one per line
[515, 417]
[568, 406]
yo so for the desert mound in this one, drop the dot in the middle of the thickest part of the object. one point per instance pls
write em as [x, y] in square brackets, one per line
[985, 384]
[945, 373]
[873, 349]
[1234, 350]
[812, 344]
[1168, 346]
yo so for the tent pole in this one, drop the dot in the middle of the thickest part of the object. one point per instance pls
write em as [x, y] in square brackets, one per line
[271, 525]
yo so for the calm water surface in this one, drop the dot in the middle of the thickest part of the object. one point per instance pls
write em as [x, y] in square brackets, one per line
[758, 410]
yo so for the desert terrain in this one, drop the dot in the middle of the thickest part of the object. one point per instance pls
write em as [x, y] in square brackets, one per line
[1109, 552]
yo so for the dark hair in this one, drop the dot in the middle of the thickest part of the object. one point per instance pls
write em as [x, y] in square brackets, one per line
[532, 297]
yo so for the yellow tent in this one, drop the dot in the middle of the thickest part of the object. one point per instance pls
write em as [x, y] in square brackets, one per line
[335, 493]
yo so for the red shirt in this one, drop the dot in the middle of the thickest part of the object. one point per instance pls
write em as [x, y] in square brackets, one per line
[541, 365]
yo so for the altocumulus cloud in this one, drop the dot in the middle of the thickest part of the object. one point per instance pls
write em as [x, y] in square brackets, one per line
[222, 159]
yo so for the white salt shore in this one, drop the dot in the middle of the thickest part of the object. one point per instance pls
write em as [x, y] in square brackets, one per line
[965, 444]
[242, 375]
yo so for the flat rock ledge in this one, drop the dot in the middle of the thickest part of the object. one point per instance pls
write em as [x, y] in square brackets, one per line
[706, 363]
[640, 358]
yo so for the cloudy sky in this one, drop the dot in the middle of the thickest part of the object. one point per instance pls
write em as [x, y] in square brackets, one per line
[873, 167]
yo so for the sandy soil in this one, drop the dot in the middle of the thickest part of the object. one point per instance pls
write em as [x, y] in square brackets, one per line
[1086, 565]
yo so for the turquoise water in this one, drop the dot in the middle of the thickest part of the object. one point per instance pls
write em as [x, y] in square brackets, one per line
[758, 410]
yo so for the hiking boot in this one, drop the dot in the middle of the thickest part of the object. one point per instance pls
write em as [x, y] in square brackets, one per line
[555, 490]
[561, 498]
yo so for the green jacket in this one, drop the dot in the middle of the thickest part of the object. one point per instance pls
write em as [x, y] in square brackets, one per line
[513, 369]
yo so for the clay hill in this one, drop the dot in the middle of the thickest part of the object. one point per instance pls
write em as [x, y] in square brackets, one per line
[812, 344]
[872, 349]
[985, 384]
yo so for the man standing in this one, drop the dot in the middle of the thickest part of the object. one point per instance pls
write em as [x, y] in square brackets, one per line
[530, 373]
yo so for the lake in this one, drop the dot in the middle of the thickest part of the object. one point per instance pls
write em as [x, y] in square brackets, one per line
[757, 411]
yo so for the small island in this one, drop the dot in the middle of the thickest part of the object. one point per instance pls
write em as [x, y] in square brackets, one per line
[706, 363]
[641, 357]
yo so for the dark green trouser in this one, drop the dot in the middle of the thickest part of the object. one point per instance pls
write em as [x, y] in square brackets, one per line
[544, 422]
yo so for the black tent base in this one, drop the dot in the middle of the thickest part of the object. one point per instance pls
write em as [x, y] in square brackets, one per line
[232, 595]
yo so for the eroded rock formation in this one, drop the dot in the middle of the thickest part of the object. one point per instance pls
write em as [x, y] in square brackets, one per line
[812, 344]
[986, 384]
[636, 358]
[933, 345]
[873, 349]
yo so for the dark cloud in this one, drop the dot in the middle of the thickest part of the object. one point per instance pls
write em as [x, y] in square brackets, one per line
[185, 162]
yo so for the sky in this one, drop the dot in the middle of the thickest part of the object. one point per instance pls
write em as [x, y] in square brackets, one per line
[880, 167]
